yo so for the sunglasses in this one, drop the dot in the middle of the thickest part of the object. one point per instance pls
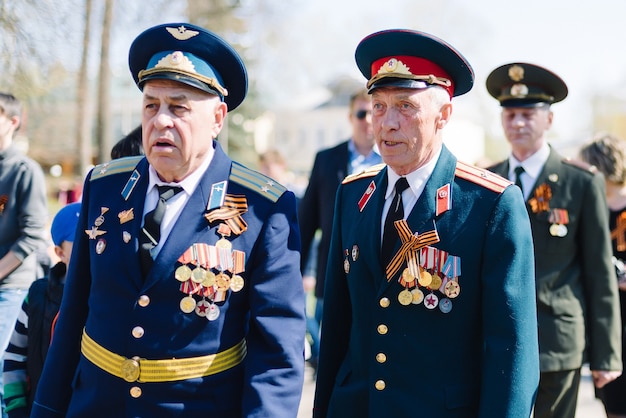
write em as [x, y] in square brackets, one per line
[362, 114]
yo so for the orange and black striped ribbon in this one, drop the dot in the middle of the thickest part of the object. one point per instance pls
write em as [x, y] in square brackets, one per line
[234, 206]
[411, 244]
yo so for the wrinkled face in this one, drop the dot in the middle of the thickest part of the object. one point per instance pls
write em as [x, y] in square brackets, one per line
[362, 127]
[179, 125]
[525, 128]
[407, 125]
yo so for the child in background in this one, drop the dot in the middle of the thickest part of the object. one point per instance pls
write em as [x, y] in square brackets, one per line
[24, 358]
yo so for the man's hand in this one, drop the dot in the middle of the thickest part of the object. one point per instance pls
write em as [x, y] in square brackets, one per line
[602, 377]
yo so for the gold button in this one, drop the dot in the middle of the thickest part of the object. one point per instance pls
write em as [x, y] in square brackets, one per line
[135, 391]
[138, 332]
[384, 302]
[380, 384]
[144, 300]
[382, 329]
[381, 357]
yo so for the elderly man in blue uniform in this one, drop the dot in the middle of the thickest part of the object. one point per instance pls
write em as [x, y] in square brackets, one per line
[437, 318]
[194, 308]
[577, 295]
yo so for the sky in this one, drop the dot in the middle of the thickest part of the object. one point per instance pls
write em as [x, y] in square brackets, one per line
[582, 44]
[297, 47]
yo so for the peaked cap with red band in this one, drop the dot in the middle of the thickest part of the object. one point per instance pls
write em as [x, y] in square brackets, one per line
[411, 59]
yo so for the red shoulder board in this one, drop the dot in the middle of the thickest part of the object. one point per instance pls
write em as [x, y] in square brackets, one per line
[481, 177]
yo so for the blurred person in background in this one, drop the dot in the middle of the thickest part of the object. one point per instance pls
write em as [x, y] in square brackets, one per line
[23, 217]
[607, 153]
[315, 212]
[130, 145]
[577, 296]
[28, 347]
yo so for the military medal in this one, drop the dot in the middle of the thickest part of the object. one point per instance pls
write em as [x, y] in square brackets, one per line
[452, 289]
[213, 313]
[222, 281]
[425, 278]
[126, 215]
[100, 246]
[559, 218]
[209, 279]
[223, 243]
[355, 252]
[431, 301]
[540, 202]
[94, 232]
[436, 282]
[198, 275]
[445, 305]
[202, 308]
[182, 273]
[346, 261]
[405, 297]
[407, 276]
[100, 219]
[236, 283]
[188, 304]
[126, 237]
[417, 295]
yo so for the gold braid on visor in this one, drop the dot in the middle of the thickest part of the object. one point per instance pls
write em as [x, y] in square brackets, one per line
[211, 82]
[429, 79]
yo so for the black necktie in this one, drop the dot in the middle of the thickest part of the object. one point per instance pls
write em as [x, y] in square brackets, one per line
[518, 177]
[151, 231]
[396, 212]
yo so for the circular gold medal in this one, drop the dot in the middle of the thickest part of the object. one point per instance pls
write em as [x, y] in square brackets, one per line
[425, 278]
[418, 296]
[554, 230]
[198, 275]
[236, 283]
[209, 279]
[223, 243]
[183, 273]
[222, 281]
[452, 289]
[405, 297]
[188, 304]
[407, 276]
[436, 283]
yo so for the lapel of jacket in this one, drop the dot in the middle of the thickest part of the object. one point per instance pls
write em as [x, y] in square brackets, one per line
[423, 215]
[342, 161]
[135, 198]
[191, 226]
[551, 174]
[370, 223]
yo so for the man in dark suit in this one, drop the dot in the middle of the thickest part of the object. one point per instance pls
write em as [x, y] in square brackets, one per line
[577, 296]
[315, 211]
[195, 307]
[439, 320]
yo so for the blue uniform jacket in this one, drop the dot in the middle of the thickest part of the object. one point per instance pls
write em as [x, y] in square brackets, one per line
[104, 288]
[380, 358]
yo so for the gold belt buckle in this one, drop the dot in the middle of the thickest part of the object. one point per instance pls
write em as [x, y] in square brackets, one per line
[130, 369]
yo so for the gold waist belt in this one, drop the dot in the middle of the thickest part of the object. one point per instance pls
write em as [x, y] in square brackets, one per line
[142, 370]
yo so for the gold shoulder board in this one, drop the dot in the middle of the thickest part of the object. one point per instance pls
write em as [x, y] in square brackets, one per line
[120, 165]
[253, 180]
[481, 177]
[368, 172]
[580, 164]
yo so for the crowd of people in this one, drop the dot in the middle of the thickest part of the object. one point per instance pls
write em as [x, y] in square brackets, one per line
[421, 282]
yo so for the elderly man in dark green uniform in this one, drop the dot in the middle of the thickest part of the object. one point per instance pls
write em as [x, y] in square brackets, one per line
[577, 305]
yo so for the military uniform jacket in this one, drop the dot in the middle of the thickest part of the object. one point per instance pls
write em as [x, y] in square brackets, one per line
[106, 295]
[577, 296]
[380, 358]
